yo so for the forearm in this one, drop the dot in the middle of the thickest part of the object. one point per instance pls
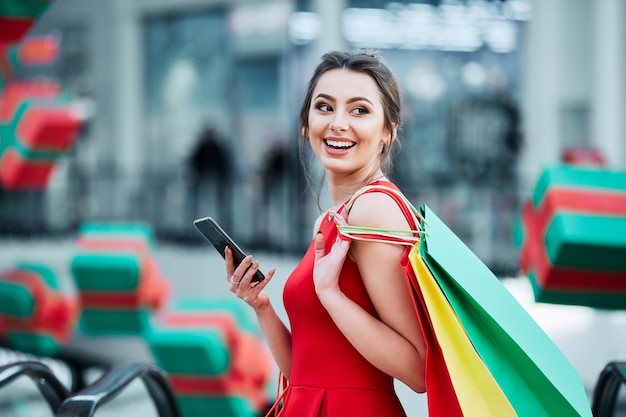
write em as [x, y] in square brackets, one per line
[381, 345]
[278, 337]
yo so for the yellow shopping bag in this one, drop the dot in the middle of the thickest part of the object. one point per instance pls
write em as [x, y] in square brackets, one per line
[477, 391]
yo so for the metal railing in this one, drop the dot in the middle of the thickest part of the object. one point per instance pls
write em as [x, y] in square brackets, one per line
[42, 376]
[85, 402]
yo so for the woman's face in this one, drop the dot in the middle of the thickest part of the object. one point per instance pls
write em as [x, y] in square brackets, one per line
[346, 123]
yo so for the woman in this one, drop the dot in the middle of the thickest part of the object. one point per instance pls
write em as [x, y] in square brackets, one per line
[353, 328]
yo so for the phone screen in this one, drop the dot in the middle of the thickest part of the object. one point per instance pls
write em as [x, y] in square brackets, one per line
[220, 239]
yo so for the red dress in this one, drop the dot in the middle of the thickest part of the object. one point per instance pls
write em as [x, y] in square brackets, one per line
[329, 378]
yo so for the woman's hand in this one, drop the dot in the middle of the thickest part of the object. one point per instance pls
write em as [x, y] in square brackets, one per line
[240, 281]
[328, 265]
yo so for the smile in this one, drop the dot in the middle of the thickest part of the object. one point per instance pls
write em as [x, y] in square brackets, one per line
[339, 144]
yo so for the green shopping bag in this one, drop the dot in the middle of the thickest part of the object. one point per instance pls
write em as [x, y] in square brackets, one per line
[533, 373]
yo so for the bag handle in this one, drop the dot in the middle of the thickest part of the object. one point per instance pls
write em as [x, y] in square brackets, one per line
[281, 390]
[394, 236]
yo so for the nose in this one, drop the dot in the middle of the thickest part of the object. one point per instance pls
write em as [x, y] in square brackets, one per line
[338, 124]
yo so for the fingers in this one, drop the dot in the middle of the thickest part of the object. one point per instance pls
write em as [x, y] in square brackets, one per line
[341, 247]
[338, 251]
[230, 263]
[243, 275]
[319, 246]
[239, 274]
[259, 285]
[341, 218]
[235, 273]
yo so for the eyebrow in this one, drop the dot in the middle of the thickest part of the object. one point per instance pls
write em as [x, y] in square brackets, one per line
[351, 100]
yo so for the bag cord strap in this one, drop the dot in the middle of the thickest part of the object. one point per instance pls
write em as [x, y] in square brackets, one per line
[281, 390]
[393, 236]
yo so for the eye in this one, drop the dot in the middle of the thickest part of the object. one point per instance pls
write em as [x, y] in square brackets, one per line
[323, 107]
[360, 110]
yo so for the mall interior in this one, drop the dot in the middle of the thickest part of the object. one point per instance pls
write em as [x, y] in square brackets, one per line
[173, 110]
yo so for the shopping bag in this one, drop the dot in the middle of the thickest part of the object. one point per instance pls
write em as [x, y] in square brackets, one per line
[534, 376]
[441, 397]
[477, 391]
[533, 373]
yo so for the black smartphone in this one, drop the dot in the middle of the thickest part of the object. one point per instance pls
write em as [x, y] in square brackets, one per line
[220, 239]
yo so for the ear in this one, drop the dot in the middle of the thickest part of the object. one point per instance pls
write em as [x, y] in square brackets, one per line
[305, 133]
[391, 136]
[394, 132]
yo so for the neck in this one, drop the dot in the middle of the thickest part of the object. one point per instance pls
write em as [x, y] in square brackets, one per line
[341, 189]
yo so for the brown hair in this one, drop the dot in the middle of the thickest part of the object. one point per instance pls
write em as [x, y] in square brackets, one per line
[366, 62]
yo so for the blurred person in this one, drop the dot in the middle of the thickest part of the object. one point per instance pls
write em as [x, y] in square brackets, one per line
[209, 165]
[278, 175]
[353, 328]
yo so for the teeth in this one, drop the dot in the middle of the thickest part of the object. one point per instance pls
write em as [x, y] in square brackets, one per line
[339, 144]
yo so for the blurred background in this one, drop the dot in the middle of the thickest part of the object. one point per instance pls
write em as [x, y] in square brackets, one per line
[493, 91]
[189, 108]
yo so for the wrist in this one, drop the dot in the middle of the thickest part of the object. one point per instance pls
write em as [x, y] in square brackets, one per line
[263, 309]
[330, 297]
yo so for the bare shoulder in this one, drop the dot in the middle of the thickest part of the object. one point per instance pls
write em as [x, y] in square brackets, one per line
[377, 209]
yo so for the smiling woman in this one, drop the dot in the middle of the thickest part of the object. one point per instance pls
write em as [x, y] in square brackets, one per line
[353, 329]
